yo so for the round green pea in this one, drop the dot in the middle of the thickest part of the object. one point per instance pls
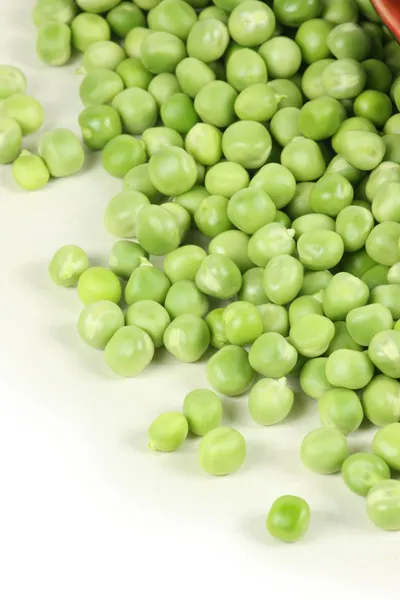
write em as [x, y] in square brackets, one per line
[233, 244]
[311, 37]
[269, 241]
[103, 55]
[285, 125]
[222, 451]
[373, 105]
[320, 118]
[138, 180]
[274, 318]
[319, 250]
[288, 518]
[122, 153]
[252, 287]
[192, 199]
[62, 152]
[272, 356]
[376, 276]
[342, 339]
[129, 351]
[183, 263]
[242, 323]
[133, 73]
[251, 23]
[172, 171]
[381, 400]
[62, 11]
[137, 109]
[383, 504]
[193, 75]
[312, 222]
[362, 149]
[277, 182]
[12, 81]
[147, 283]
[184, 298]
[204, 143]
[341, 409]
[226, 178]
[244, 68]
[162, 86]
[311, 82]
[125, 17]
[311, 335]
[203, 411]
[173, 16]
[361, 471]
[384, 204]
[207, 40]
[270, 401]
[178, 113]
[98, 322]
[168, 432]
[157, 230]
[187, 338]
[250, 209]
[331, 194]
[257, 102]
[386, 444]
[125, 257]
[324, 450]
[30, 172]
[53, 44]
[344, 78]
[282, 56]
[246, 143]
[67, 265]
[304, 159]
[215, 103]
[349, 369]
[303, 306]
[384, 351]
[313, 379]
[283, 278]
[382, 244]
[366, 321]
[120, 217]
[229, 371]
[100, 86]
[354, 224]
[343, 293]
[215, 323]
[340, 166]
[151, 317]
[161, 52]
[87, 29]
[99, 125]
[315, 281]
[24, 109]
[98, 283]
[295, 12]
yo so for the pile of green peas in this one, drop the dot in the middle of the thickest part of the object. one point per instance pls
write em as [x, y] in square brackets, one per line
[274, 130]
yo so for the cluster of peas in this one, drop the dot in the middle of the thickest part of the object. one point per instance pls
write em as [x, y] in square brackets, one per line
[280, 143]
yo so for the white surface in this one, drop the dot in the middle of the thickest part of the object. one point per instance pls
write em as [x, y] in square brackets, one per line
[86, 510]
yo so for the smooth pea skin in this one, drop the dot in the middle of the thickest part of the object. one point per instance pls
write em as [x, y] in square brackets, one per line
[342, 339]
[384, 351]
[343, 293]
[233, 244]
[384, 204]
[219, 277]
[270, 401]
[272, 356]
[53, 44]
[288, 518]
[204, 143]
[100, 86]
[341, 409]
[87, 29]
[222, 451]
[133, 73]
[320, 118]
[244, 68]
[211, 217]
[203, 411]
[270, 241]
[120, 217]
[25, 109]
[324, 450]
[193, 74]
[98, 283]
[215, 103]
[311, 335]
[67, 265]
[313, 379]
[62, 152]
[187, 338]
[354, 224]
[344, 78]
[365, 322]
[172, 171]
[246, 143]
[30, 171]
[361, 471]
[331, 194]
[161, 52]
[215, 323]
[276, 181]
[98, 322]
[103, 55]
[168, 432]
[207, 40]
[381, 400]
[382, 244]
[320, 250]
[147, 283]
[349, 369]
[383, 505]
[250, 209]
[157, 230]
[251, 23]
[12, 81]
[242, 323]
[137, 109]
[283, 278]
[304, 159]
[315, 281]
[124, 17]
[386, 444]
[129, 351]
[183, 263]
[151, 317]
[257, 102]
[99, 125]
[172, 16]
[274, 318]
[362, 149]
[252, 287]
[229, 371]
[138, 179]
[178, 113]
[184, 298]
[312, 222]
[163, 86]
[121, 154]
[10, 140]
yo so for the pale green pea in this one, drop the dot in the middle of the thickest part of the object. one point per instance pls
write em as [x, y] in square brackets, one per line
[394, 274]
[378, 275]
[341, 409]
[24, 109]
[250, 23]
[133, 73]
[381, 400]
[247, 143]
[99, 125]
[100, 86]
[215, 323]
[272, 356]
[311, 37]
[225, 179]
[361, 471]
[181, 216]
[211, 217]
[354, 225]
[343, 293]
[151, 317]
[157, 230]
[384, 173]
[125, 257]
[311, 222]
[242, 323]
[98, 322]
[229, 371]
[311, 335]
[168, 432]
[222, 451]
[320, 250]
[184, 298]
[233, 244]
[383, 505]
[349, 40]
[163, 86]
[12, 81]
[67, 265]
[187, 338]
[192, 199]
[46, 11]
[274, 318]
[157, 138]
[320, 118]
[172, 171]
[283, 278]
[331, 194]
[215, 103]
[282, 56]
[276, 181]
[382, 244]
[285, 125]
[244, 68]
[392, 125]
[87, 29]
[103, 55]
[342, 339]
[147, 283]
[125, 17]
[366, 321]
[315, 281]
[219, 277]
[349, 369]
[313, 379]
[324, 450]
[161, 52]
[300, 203]
[257, 102]
[352, 124]
[203, 411]
[62, 152]
[30, 172]
[304, 159]
[340, 166]
[385, 203]
[357, 263]
[386, 444]
[344, 78]
[252, 287]
[269, 241]
[138, 179]
[384, 351]
[193, 75]
[137, 109]
[208, 40]
[120, 217]
[172, 16]
[288, 92]
[183, 263]
[303, 306]
[270, 401]
[204, 143]
[178, 113]
[98, 283]
[288, 518]
[53, 44]
[362, 149]
[311, 82]
[214, 12]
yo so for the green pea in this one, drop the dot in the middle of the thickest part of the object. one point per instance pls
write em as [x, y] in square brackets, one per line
[357, 263]
[362, 149]
[100, 86]
[274, 318]
[300, 203]
[121, 213]
[342, 339]
[288, 92]
[257, 102]
[361, 471]
[215, 323]
[98, 322]
[162, 86]
[67, 265]
[215, 103]
[285, 125]
[193, 75]
[211, 217]
[125, 17]
[365, 322]
[30, 172]
[311, 335]
[125, 257]
[341, 409]
[354, 225]
[324, 450]
[53, 44]
[277, 182]
[250, 209]
[269, 241]
[381, 401]
[247, 143]
[320, 250]
[61, 11]
[103, 55]
[157, 230]
[344, 78]
[331, 194]
[384, 204]
[283, 219]
[320, 118]
[24, 109]
[204, 143]
[311, 82]
[203, 411]
[349, 40]
[98, 283]
[183, 263]
[382, 243]
[187, 338]
[270, 401]
[129, 351]
[229, 371]
[313, 379]
[138, 180]
[161, 52]
[378, 275]
[137, 109]
[374, 105]
[172, 16]
[134, 39]
[178, 113]
[151, 317]
[242, 323]
[157, 138]
[343, 293]
[252, 287]
[295, 12]
[349, 369]
[12, 81]
[222, 451]
[304, 159]
[392, 143]
[392, 125]
[315, 281]
[352, 124]
[303, 306]
[62, 152]
[244, 68]
[226, 178]
[384, 351]
[192, 199]
[147, 283]
[283, 278]
[312, 222]
[383, 505]
[288, 518]
[272, 356]
[207, 40]
[233, 244]
[340, 166]
[168, 432]
[251, 23]
[87, 29]
[386, 444]
[172, 171]
[183, 298]
[311, 37]
[97, 6]
[99, 125]
[133, 73]
[214, 12]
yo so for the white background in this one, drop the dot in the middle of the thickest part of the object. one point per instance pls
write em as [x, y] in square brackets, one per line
[86, 510]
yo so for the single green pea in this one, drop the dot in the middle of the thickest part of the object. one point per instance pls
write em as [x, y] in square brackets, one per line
[120, 217]
[386, 444]
[122, 153]
[312, 222]
[29, 171]
[53, 44]
[87, 29]
[270, 401]
[219, 277]
[24, 109]
[98, 322]
[384, 204]
[233, 244]
[207, 40]
[285, 125]
[283, 219]
[226, 178]
[251, 23]
[320, 118]
[147, 283]
[211, 217]
[151, 317]
[59, 11]
[187, 338]
[324, 450]
[162, 86]
[172, 16]
[313, 379]
[215, 323]
[203, 411]
[125, 257]
[133, 73]
[283, 278]
[204, 143]
[270, 241]
[311, 82]
[311, 38]
[352, 124]
[393, 275]
[98, 283]
[183, 263]
[383, 505]
[341, 409]
[304, 159]
[242, 323]
[274, 318]
[12, 81]
[215, 103]
[125, 17]
[315, 281]
[178, 113]
[99, 125]
[272, 356]
[157, 230]
[384, 351]
[288, 518]
[311, 335]
[250, 209]
[67, 265]
[320, 250]
[300, 203]
[343, 293]
[340, 166]
[244, 68]
[344, 78]
[137, 109]
[252, 289]
[193, 75]
[295, 12]
[192, 199]
[342, 339]
[172, 171]
[257, 102]
[222, 451]
[331, 194]
[282, 56]
[103, 55]
[138, 180]
[168, 432]
[161, 52]
[184, 298]
[129, 351]
[354, 224]
[381, 400]
[349, 369]
[349, 40]
[382, 243]
[365, 322]
[229, 371]
[361, 471]
[134, 40]
[303, 306]
[246, 143]
[376, 276]
[277, 182]
[362, 149]
[100, 86]
[62, 152]
[288, 93]
[374, 105]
